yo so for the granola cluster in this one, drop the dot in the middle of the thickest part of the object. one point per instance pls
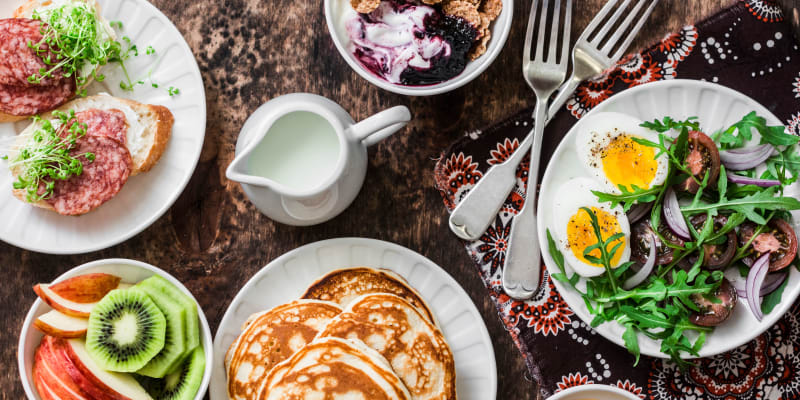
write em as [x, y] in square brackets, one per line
[479, 13]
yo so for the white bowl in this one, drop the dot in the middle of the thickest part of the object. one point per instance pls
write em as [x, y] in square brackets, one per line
[337, 12]
[131, 271]
[594, 392]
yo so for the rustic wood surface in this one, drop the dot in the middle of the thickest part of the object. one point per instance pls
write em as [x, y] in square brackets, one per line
[214, 240]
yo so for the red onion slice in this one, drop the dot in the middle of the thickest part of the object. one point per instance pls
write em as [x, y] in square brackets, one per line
[638, 211]
[743, 159]
[646, 269]
[673, 216]
[753, 285]
[744, 180]
[771, 283]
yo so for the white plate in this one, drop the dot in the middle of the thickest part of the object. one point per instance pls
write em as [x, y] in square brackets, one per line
[131, 271]
[145, 197]
[285, 279]
[716, 107]
[338, 12]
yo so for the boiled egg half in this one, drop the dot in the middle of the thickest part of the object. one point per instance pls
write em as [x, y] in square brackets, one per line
[607, 150]
[574, 228]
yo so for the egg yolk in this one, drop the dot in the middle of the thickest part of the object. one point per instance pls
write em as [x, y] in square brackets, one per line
[580, 235]
[627, 163]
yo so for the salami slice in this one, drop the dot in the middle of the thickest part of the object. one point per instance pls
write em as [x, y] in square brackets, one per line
[111, 123]
[17, 60]
[103, 178]
[34, 99]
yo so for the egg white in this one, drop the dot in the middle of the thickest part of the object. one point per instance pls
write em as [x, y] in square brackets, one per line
[571, 196]
[598, 130]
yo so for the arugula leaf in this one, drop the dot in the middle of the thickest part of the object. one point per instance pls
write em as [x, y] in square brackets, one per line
[787, 161]
[777, 136]
[629, 197]
[631, 342]
[738, 134]
[558, 258]
[667, 123]
[763, 200]
[771, 300]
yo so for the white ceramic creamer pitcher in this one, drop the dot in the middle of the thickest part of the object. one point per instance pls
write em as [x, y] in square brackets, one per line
[301, 159]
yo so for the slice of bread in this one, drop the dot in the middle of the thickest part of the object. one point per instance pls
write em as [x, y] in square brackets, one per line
[149, 130]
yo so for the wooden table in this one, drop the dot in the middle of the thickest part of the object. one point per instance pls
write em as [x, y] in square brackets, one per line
[214, 240]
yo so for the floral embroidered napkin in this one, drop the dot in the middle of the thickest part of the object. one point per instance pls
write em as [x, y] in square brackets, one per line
[748, 47]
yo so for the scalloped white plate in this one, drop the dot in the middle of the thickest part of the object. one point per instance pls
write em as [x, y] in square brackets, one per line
[285, 278]
[145, 197]
[716, 106]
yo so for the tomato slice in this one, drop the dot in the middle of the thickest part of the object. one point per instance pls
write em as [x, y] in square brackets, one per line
[640, 242]
[711, 313]
[716, 256]
[702, 156]
[780, 240]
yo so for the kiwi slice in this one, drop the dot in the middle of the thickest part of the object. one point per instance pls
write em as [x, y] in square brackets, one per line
[182, 384]
[174, 339]
[126, 330]
[157, 283]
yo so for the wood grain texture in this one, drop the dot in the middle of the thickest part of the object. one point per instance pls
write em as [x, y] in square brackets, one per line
[214, 240]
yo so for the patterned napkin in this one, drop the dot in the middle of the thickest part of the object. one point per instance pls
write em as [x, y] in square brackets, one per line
[747, 47]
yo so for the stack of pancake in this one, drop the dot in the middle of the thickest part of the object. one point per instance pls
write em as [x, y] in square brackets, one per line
[356, 333]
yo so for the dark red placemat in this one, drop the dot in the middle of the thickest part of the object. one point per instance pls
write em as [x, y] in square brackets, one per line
[748, 47]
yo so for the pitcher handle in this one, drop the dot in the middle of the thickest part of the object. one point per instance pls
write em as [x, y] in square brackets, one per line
[381, 125]
[311, 209]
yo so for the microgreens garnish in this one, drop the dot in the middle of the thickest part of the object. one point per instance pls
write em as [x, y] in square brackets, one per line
[173, 91]
[75, 41]
[47, 155]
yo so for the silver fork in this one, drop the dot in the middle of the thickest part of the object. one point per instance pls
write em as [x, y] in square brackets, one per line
[544, 74]
[589, 57]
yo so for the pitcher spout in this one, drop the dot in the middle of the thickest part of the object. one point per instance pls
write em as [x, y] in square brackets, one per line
[238, 172]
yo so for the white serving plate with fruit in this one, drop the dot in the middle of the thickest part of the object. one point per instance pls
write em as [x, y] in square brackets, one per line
[130, 272]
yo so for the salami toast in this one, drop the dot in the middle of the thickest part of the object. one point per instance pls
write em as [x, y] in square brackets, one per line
[20, 100]
[132, 138]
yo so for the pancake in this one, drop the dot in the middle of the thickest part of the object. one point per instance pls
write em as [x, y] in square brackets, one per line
[271, 337]
[333, 369]
[343, 285]
[415, 348]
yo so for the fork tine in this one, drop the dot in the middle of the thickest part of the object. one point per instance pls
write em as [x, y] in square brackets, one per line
[596, 20]
[567, 30]
[610, 23]
[612, 41]
[529, 31]
[542, 23]
[624, 46]
[551, 53]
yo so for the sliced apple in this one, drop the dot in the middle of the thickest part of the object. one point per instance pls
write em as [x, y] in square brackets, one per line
[61, 304]
[51, 376]
[58, 324]
[114, 385]
[87, 288]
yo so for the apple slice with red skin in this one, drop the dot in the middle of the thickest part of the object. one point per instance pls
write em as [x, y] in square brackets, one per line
[58, 324]
[68, 307]
[48, 368]
[98, 383]
[87, 288]
[43, 389]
